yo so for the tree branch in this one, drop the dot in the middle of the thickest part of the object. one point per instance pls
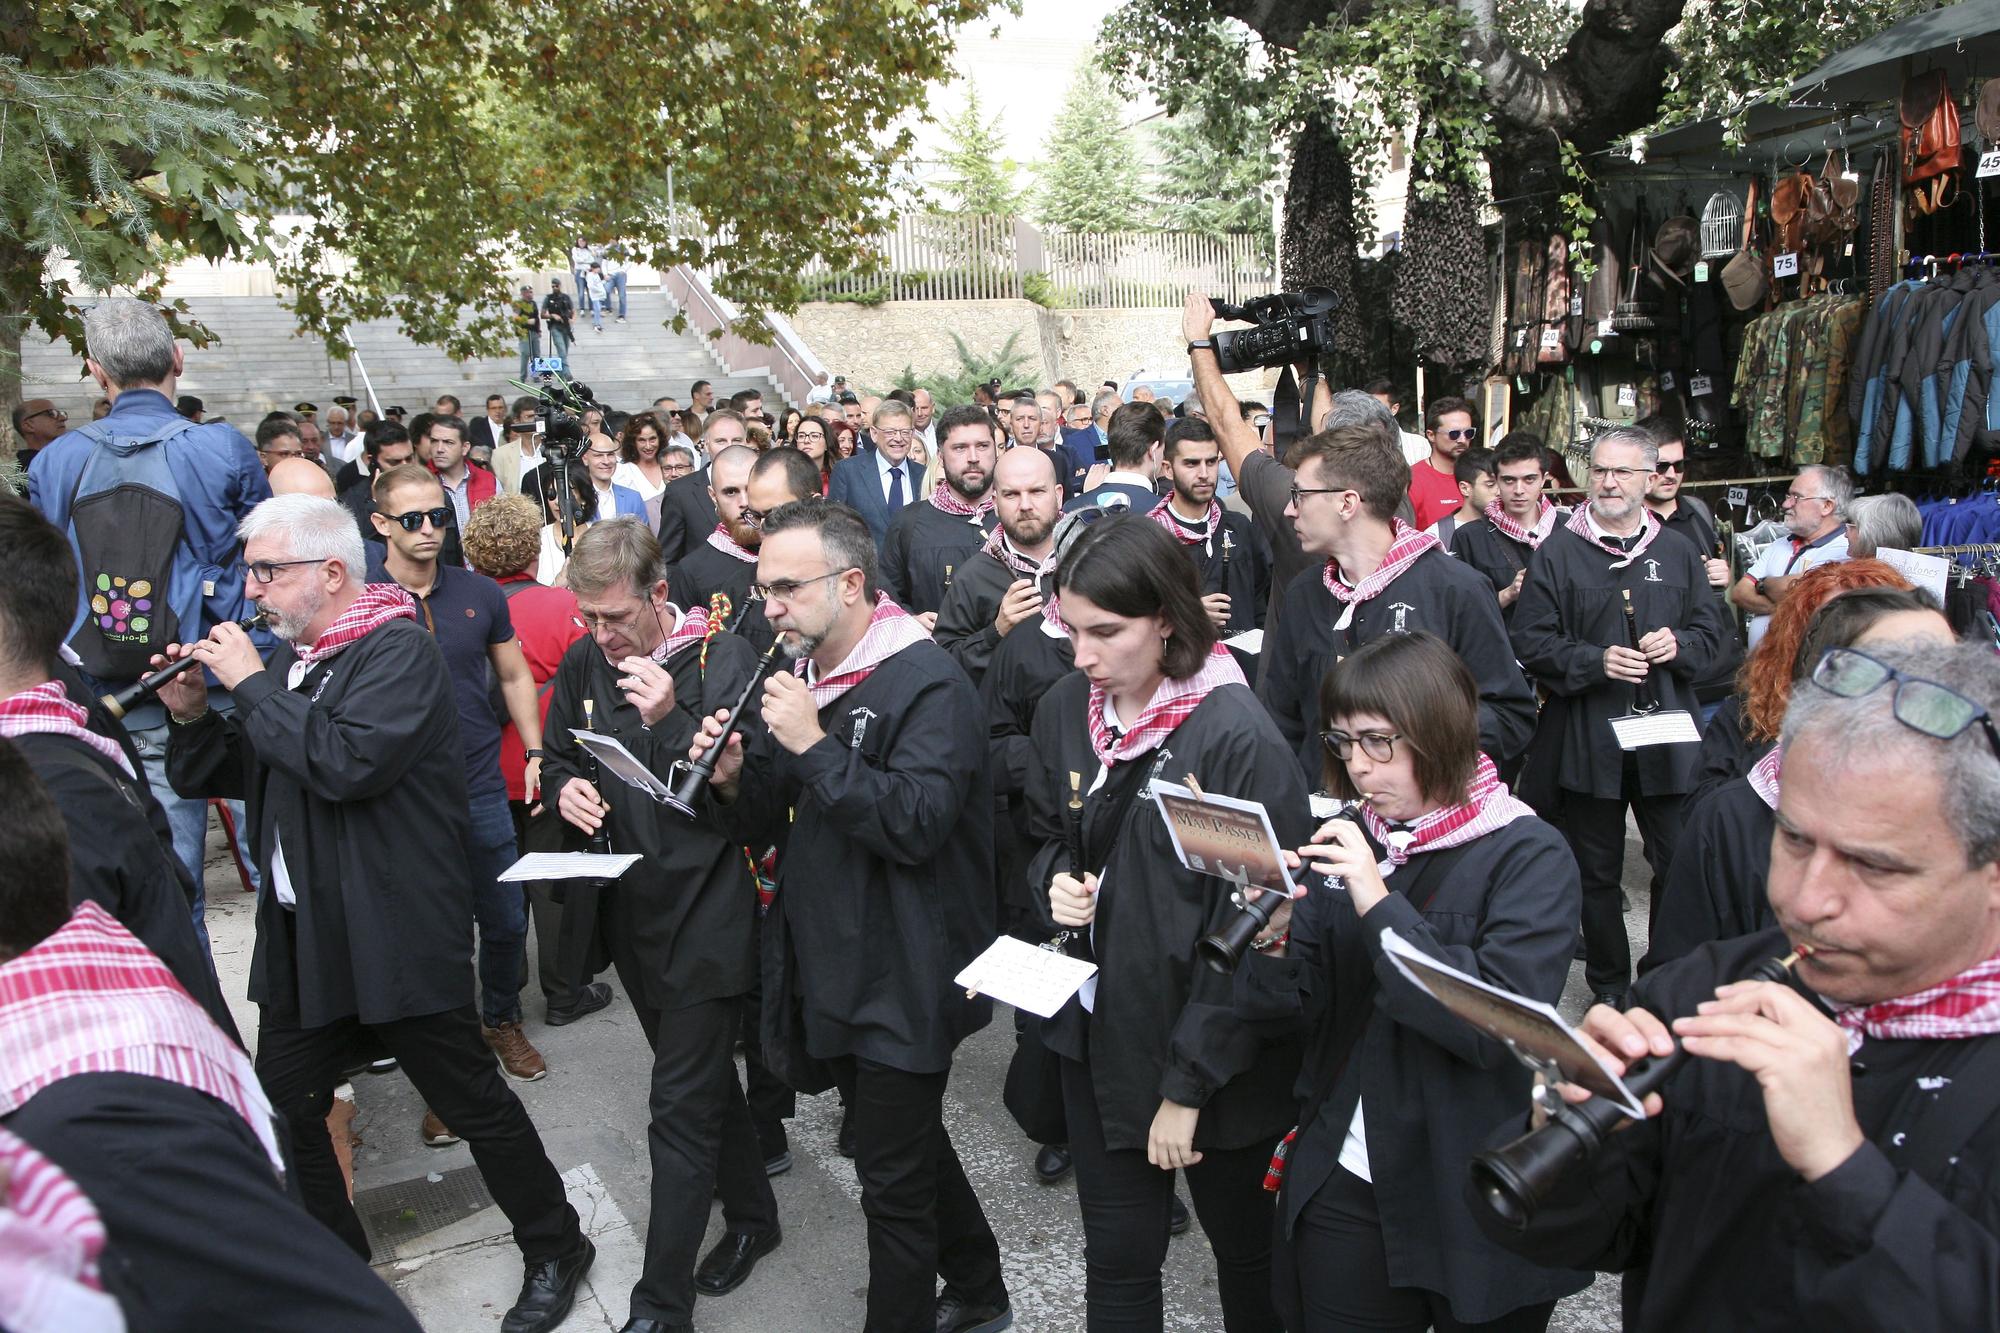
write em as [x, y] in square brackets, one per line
[1608, 80]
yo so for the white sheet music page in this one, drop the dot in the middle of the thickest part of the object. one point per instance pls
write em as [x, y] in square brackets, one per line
[1025, 976]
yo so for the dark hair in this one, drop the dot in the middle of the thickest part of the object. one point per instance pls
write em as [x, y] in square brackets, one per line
[952, 418]
[1357, 457]
[628, 439]
[842, 533]
[38, 596]
[742, 398]
[802, 476]
[274, 426]
[525, 403]
[452, 423]
[451, 398]
[1135, 428]
[420, 427]
[1128, 565]
[1193, 428]
[1418, 685]
[493, 398]
[1473, 464]
[903, 396]
[1250, 409]
[1846, 616]
[788, 422]
[1381, 386]
[1554, 464]
[582, 490]
[1663, 429]
[697, 387]
[34, 859]
[1517, 446]
[838, 429]
[383, 431]
[1442, 407]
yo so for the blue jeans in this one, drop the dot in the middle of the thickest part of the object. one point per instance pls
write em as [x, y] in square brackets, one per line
[616, 283]
[499, 909]
[187, 817]
[559, 347]
[596, 312]
[531, 347]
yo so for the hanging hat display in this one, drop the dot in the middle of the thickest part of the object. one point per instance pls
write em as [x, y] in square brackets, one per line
[1987, 114]
[1674, 247]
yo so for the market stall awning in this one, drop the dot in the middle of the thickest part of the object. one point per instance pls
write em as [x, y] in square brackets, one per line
[1964, 39]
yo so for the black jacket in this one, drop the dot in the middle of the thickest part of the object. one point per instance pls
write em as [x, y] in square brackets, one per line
[1715, 889]
[705, 571]
[923, 550]
[965, 621]
[1237, 561]
[1713, 1230]
[687, 516]
[1500, 558]
[1025, 667]
[1165, 1025]
[1431, 1087]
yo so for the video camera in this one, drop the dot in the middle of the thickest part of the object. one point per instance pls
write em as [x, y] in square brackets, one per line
[1291, 327]
[560, 403]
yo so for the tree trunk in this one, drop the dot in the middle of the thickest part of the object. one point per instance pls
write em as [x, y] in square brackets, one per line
[20, 271]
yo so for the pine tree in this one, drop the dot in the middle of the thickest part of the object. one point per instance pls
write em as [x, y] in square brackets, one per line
[981, 179]
[1200, 187]
[1090, 176]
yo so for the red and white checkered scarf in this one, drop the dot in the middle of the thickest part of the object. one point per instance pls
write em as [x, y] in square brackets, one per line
[47, 708]
[1532, 538]
[692, 629]
[1406, 546]
[723, 542]
[891, 629]
[1170, 707]
[1163, 514]
[1488, 806]
[1968, 1005]
[1763, 776]
[92, 999]
[1649, 528]
[375, 606]
[50, 1240]
[1003, 550]
[949, 501]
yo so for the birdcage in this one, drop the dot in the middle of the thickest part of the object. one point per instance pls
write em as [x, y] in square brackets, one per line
[1721, 226]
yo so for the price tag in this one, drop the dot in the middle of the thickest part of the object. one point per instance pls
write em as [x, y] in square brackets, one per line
[1628, 395]
[1552, 338]
[1737, 496]
[1604, 327]
[1701, 386]
[1785, 266]
[1520, 337]
[1701, 271]
[1666, 381]
[1576, 305]
[1989, 164]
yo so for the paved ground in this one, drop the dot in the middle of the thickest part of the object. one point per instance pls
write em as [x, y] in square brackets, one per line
[591, 1113]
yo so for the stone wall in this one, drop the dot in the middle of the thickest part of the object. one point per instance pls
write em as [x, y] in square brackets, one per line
[872, 344]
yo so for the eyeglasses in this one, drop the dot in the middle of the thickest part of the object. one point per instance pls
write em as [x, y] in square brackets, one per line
[895, 436]
[265, 570]
[1793, 497]
[1671, 465]
[1624, 474]
[282, 453]
[786, 589]
[1298, 491]
[592, 624]
[1922, 705]
[1377, 745]
[416, 518]
[754, 517]
[55, 412]
[1464, 433]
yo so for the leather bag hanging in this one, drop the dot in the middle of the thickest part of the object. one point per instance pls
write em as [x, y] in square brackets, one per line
[1933, 156]
[1745, 278]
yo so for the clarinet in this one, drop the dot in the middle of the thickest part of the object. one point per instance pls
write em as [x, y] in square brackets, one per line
[1645, 699]
[1075, 943]
[147, 686]
[600, 841]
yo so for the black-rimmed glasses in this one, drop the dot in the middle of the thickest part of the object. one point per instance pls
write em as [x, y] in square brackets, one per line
[1377, 745]
[1924, 706]
[415, 519]
[265, 570]
[1299, 491]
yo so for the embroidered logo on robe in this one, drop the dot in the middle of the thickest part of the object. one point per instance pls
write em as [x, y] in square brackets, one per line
[860, 717]
[1402, 622]
[1652, 571]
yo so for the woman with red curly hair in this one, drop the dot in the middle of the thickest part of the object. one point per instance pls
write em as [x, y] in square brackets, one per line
[1715, 887]
[1746, 724]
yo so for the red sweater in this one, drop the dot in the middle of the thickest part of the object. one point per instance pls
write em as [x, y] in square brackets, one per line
[543, 623]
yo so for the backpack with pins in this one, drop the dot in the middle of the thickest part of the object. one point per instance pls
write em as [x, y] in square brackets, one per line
[1933, 156]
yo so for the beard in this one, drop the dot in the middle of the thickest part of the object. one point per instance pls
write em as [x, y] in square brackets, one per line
[970, 491]
[1029, 530]
[291, 625]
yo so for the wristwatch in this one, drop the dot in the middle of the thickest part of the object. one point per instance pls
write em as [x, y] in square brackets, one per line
[1757, 586]
[1205, 344]
[532, 754]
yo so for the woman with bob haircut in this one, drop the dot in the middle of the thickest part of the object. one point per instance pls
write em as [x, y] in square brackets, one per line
[1396, 1091]
[1158, 1070]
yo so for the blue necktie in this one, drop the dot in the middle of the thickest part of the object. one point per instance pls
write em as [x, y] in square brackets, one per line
[896, 487]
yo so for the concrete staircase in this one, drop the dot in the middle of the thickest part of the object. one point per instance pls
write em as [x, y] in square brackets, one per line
[260, 362]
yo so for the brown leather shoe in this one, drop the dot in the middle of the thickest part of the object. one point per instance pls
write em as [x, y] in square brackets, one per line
[433, 1132]
[518, 1056]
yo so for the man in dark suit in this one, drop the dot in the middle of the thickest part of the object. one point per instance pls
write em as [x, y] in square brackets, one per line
[881, 481]
[1082, 442]
[490, 431]
[687, 510]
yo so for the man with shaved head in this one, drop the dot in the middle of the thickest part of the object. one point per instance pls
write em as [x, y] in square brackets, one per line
[299, 475]
[725, 560]
[997, 588]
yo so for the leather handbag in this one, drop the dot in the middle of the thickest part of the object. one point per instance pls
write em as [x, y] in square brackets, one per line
[1932, 153]
[1746, 278]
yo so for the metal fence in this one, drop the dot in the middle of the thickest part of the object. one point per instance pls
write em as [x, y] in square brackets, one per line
[951, 257]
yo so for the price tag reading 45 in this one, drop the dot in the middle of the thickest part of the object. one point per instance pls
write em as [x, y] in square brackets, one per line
[1785, 266]
[1989, 164]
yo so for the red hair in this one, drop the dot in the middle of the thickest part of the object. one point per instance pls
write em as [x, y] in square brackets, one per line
[1765, 682]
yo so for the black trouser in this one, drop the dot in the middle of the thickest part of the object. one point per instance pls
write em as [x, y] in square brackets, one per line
[454, 1071]
[924, 1221]
[1595, 828]
[699, 1137]
[543, 909]
[1333, 1276]
[1125, 1201]
[772, 1101]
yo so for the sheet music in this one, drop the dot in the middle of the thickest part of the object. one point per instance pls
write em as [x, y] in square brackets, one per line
[622, 764]
[1037, 980]
[1643, 729]
[1249, 641]
[568, 865]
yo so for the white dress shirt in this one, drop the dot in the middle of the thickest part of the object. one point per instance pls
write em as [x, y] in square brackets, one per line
[882, 466]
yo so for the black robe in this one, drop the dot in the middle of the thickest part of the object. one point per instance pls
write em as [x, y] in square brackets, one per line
[200, 1234]
[1726, 752]
[1715, 889]
[705, 571]
[1437, 594]
[1715, 1231]
[1481, 546]
[362, 770]
[965, 621]
[1570, 611]
[687, 516]
[1025, 667]
[885, 880]
[1503, 908]
[116, 861]
[924, 548]
[1238, 562]
[686, 909]
[1165, 1024]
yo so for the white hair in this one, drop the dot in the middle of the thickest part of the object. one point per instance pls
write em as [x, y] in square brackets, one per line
[130, 341]
[311, 528]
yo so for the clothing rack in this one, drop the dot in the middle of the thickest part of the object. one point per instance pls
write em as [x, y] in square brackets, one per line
[1986, 548]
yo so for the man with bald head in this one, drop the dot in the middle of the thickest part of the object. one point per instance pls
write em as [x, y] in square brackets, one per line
[687, 510]
[998, 586]
[726, 560]
[299, 475]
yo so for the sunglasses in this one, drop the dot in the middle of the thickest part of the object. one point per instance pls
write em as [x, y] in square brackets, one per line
[1921, 705]
[1466, 433]
[415, 519]
[1671, 465]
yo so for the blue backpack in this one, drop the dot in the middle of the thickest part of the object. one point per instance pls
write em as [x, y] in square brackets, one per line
[126, 521]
